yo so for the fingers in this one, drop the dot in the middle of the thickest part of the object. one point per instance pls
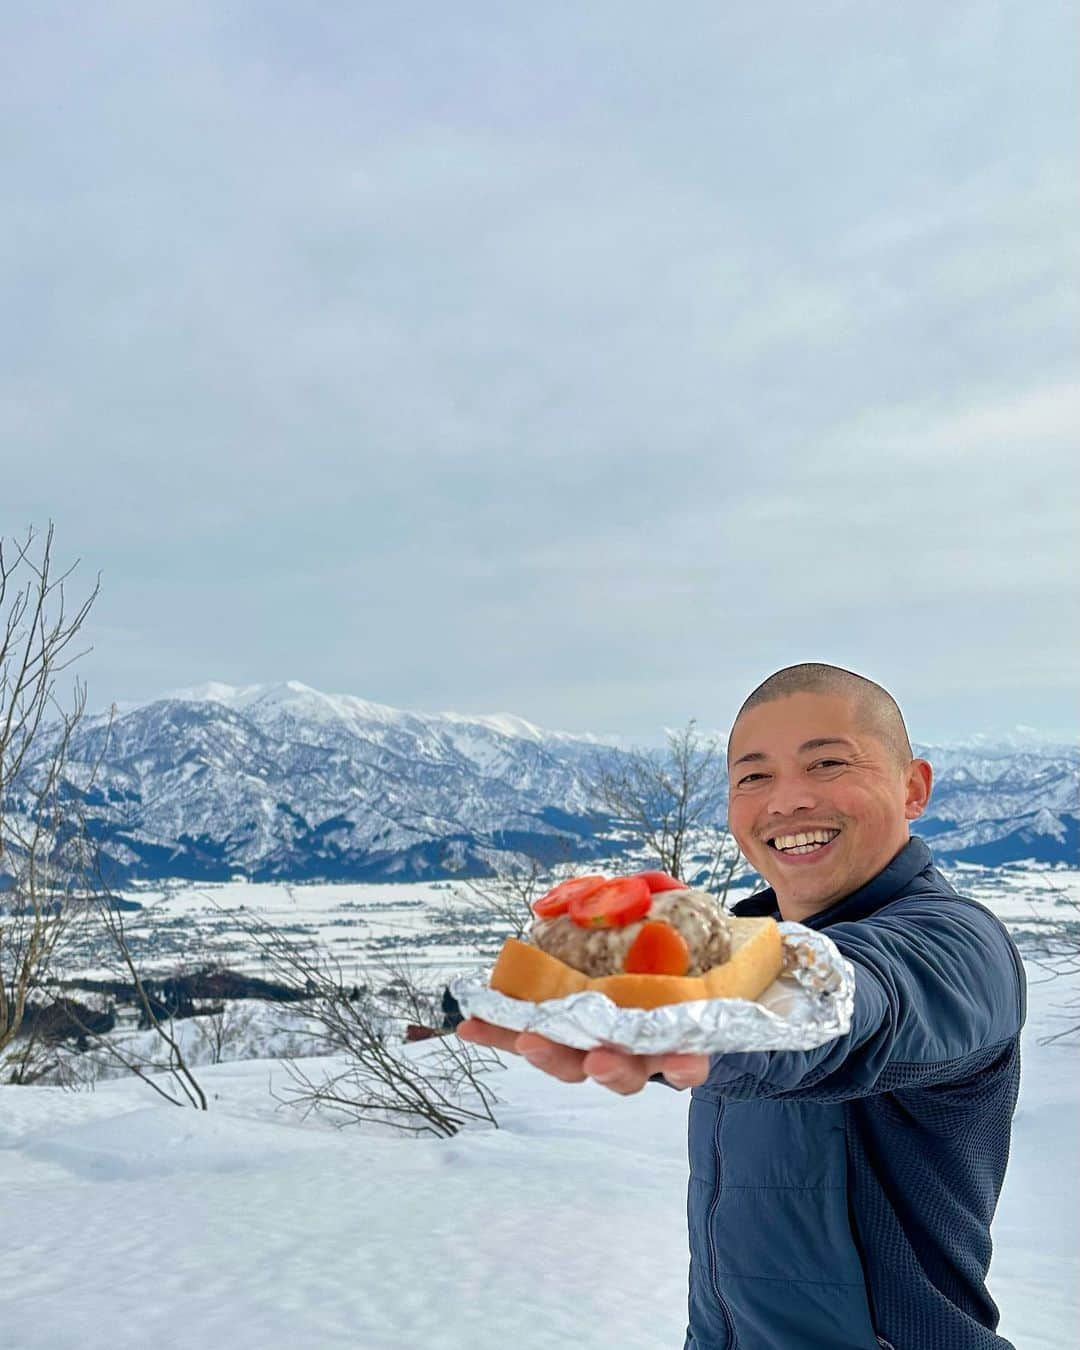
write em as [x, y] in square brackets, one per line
[561, 1061]
[618, 1072]
[613, 1069]
[484, 1033]
[683, 1071]
[558, 1060]
[627, 1074]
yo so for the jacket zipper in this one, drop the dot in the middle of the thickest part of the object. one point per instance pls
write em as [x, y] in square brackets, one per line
[729, 1321]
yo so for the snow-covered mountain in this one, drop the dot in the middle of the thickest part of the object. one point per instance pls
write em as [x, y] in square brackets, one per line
[1000, 803]
[282, 781]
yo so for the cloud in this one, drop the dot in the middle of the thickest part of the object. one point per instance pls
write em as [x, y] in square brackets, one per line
[568, 361]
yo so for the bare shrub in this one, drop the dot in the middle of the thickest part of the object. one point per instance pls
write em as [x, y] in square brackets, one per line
[222, 1028]
[1059, 958]
[165, 1054]
[436, 1091]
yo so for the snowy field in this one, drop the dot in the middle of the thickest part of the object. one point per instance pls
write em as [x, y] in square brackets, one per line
[440, 927]
[131, 1223]
[435, 927]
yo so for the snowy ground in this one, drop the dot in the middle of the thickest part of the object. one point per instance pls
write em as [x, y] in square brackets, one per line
[128, 1223]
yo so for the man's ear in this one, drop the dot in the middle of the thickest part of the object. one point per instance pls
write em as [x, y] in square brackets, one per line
[918, 785]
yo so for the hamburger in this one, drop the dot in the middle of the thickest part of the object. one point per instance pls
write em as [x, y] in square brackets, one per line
[644, 941]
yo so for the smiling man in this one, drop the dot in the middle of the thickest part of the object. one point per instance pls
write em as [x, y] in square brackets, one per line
[841, 1198]
[818, 815]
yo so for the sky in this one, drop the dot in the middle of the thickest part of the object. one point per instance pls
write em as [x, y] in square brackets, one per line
[584, 362]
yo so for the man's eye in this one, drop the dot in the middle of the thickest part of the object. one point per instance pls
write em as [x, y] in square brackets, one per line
[750, 777]
[829, 763]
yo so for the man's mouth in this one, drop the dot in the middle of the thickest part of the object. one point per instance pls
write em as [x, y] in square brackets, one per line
[806, 841]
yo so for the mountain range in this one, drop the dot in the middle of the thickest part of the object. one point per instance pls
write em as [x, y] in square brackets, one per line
[284, 782]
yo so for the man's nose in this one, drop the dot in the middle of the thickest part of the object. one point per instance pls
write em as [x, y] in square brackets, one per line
[790, 794]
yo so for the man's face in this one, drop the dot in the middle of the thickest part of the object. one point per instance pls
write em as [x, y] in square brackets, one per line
[804, 765]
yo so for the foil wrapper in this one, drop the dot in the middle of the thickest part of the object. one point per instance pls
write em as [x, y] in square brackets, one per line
[809, 1004]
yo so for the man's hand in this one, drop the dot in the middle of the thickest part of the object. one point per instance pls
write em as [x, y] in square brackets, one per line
[615, 1069]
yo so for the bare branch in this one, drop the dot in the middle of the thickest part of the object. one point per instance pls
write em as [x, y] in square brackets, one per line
[433, 1092]
[1061, 958]
[669, 800]
[38, 824]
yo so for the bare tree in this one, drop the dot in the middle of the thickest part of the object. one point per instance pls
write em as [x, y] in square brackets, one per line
[50, 874]
[671, 801]
[73, 860]
[38, 628]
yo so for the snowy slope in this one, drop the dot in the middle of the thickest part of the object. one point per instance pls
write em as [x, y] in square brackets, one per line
[132, 1224]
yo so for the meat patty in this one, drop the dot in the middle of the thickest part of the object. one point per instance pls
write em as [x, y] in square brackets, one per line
[602, 951]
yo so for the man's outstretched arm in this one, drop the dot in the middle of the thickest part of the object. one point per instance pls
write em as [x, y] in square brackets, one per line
[934, 991]
[929, 995]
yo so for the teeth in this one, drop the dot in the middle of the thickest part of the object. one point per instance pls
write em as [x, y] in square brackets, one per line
[800, 841]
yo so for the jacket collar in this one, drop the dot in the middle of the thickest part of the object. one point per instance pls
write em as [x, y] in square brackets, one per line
[912, 859]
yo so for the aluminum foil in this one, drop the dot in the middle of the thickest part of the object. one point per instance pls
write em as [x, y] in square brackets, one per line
[808, 1004]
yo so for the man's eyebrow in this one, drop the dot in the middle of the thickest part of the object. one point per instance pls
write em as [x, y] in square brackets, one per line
[814, 744]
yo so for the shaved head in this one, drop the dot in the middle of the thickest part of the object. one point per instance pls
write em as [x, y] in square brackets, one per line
[875, 708]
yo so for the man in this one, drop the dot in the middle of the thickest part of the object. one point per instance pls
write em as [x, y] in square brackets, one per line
[841, 1198]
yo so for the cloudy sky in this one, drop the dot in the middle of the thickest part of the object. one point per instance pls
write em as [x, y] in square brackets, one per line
[587, 361]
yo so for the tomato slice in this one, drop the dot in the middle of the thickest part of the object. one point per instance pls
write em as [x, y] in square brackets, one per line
[612, 905]
[659, 949]
[557, 900]
[660, 881]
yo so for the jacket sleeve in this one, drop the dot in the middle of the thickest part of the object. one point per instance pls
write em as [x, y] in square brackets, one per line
[936, 987]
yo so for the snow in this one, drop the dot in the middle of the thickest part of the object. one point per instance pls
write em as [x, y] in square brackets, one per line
[144, 1224]
[303, 701]
[291, 697]
[132, 1223]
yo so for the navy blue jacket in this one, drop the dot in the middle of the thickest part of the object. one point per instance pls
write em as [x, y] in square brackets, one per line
[841, 1198]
